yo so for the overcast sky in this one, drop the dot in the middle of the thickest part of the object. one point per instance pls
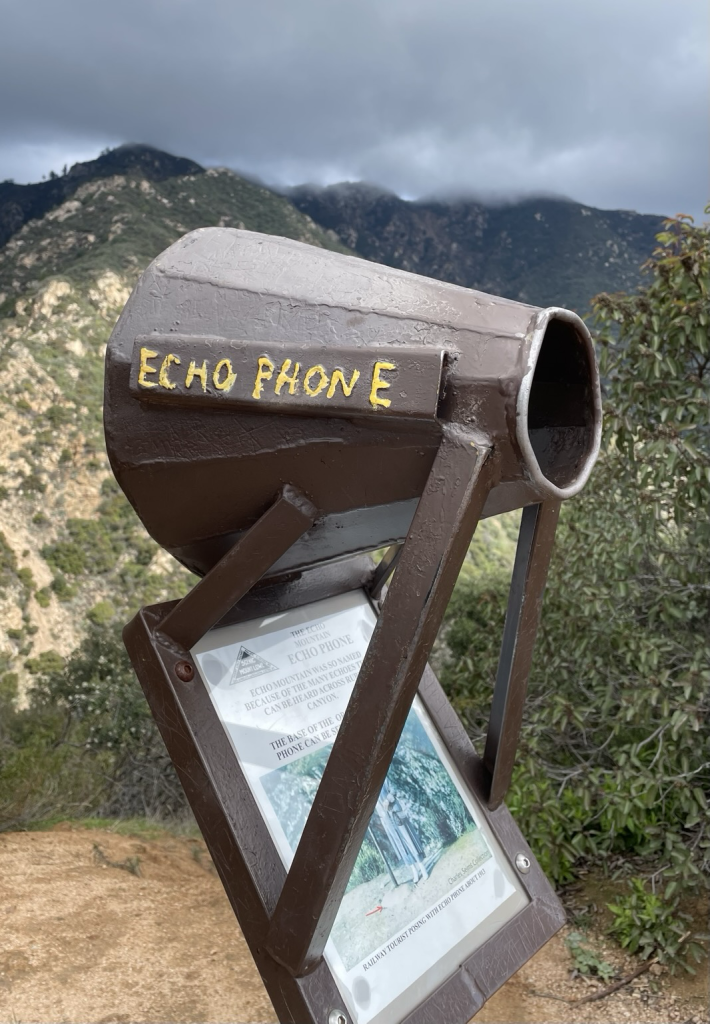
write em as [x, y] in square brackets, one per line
[604, 101]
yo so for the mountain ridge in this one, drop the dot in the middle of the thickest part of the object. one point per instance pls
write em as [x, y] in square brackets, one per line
[546, 250]
[20, 203]
[539, 249]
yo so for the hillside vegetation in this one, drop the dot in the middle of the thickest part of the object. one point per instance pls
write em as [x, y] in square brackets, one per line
[614, 768]
[71, 548]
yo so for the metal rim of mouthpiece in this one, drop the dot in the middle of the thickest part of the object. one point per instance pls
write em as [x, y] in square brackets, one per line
[537, 337]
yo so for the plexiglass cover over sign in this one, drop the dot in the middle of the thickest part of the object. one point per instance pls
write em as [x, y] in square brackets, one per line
[430, 883]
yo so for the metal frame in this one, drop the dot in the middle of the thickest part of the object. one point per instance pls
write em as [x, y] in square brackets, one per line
[286, 917]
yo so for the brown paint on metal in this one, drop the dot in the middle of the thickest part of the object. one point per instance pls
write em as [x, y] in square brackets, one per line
[280, 526]
[247, 862]
[537, 536]
[387, 682]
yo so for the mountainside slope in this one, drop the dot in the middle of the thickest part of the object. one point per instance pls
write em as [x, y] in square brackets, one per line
[121, 222]
[70, 545]
[544, 251]
[20, 203]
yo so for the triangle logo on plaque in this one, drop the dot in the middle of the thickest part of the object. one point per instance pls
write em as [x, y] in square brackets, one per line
[249, 665]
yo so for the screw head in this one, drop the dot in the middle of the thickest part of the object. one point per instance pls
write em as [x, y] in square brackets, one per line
[523, 863]
[337, 1017]
[184, 671]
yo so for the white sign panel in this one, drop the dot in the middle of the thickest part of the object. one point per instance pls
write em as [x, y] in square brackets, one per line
[430, 884]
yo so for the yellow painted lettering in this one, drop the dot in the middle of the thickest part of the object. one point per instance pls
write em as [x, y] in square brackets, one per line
[230, 376]
[193, 371]
[283, 377]
[264, 372]
[339, 378]
[378, 385]
[144, 368]
[163, 378]
[317, 369]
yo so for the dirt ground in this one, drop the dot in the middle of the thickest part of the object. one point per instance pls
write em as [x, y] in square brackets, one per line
[100, 927]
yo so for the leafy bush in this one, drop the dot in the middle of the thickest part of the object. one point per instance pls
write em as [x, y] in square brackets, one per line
[47, 661]
[108, 713]
[8, 562]
[62, 588]
[614, 760]
[101, 613]
[86, 744]
[95, 545]
[647, 924]
[41, 770]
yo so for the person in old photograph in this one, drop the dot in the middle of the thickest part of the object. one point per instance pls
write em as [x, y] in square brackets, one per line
[391, 811]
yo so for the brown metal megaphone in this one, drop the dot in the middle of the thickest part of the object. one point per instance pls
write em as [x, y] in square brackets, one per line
[243, 362]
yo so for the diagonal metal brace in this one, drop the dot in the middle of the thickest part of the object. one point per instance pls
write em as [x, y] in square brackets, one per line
[290, 516]
[532, 560]
[431, 557]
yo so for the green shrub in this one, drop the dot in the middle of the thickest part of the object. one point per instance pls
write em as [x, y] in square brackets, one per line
[41, 771]
[586, 960]
[8, 562]
[58, 415]
[101, 613]
[47, 661]
[614, 757]
[25, 577]
[62, 588]
[33, 484]
[649, 924]
[65, 557]
[98, 691]
[86, 745]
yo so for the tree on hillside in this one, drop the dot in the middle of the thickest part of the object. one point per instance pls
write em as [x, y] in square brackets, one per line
[614, 766]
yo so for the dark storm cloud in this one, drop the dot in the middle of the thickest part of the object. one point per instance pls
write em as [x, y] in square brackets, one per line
[602, 100]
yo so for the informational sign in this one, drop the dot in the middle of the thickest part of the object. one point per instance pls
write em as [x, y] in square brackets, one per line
[431, 883]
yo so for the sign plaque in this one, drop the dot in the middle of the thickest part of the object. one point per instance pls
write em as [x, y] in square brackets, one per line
[431, 882]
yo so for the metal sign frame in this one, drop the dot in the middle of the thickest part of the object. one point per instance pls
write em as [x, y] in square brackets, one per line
[286, 917]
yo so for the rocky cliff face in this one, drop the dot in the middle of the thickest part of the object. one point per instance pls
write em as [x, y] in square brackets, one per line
[71, 548]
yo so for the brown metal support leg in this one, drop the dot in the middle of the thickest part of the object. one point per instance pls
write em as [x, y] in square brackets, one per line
[290, 516]
[532, 559]
[384, 570]
[431, 558]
